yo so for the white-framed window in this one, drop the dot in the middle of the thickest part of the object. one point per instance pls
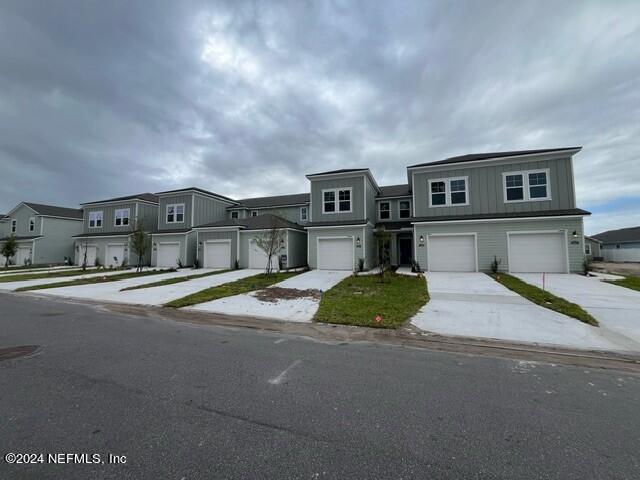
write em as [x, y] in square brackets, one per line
[304, 214]
[336, 200]
[14, 225]
[95, 219]
[384, 210]
[235, 214]
[404, 209]
[587, 249]
[446, 192]
[526, 186]
[175, 213]
[121, 217]
[32, 224]
[254, 213]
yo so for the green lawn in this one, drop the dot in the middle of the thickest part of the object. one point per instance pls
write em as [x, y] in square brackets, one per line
[19, 277]
[90, 280]
[629, 282]
[171, 281]
[544, 298]
[358, 300]
[244, 285]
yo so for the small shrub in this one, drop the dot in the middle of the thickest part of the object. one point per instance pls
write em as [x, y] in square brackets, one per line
[586, 266]
[124, 264]
[361, 264]
[179, 262]
[236, 265]
[97, 262]
[495, 264]
[415, 267]
[196, 264]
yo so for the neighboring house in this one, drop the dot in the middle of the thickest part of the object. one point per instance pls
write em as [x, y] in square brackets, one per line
[222, 243]
[621, 245]
[592, 248]
[294, 208]
[43, 232]
[517, 207]
[107, 227]
[179, 211]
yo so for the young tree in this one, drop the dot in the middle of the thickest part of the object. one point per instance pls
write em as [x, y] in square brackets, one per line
[86, 248]
[269, 241]
[9, 249]
[384, 251]
[140, 244]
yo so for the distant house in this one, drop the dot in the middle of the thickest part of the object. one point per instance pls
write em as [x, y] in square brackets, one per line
[592, 248]
[621, 245]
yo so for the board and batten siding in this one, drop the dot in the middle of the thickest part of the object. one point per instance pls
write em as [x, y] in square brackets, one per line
[22, 215]
[203, 236]
[187, 243]
[297, 248]
[288, 213]
[162, 212]
[57, 242]
[394, 204]
[356, 184]
[208, 210]
[101, 249]
[492, 239]
[486, 191]
[147, 214]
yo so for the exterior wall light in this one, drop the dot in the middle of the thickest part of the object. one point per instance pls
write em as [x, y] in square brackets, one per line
[575, 234]
[357, 241]
[421, 238]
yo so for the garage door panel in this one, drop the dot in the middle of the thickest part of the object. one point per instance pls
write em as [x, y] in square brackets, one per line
[168, 254]
[92, 253]
[258, 258]
[452, 253]
[217, 255]
[335, 254]
[115, 255]
[23, 253]
[537, 253]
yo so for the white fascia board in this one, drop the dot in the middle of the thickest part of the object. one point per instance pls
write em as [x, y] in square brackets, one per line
[484, 220]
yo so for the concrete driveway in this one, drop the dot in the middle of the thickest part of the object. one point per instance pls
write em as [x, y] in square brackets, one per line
[301, 309]
[475, 305]
[616, 308]
[10, 286]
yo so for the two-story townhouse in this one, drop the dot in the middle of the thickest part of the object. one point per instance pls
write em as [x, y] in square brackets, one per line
[517, 208]
[108, 226]
[394, 210]
[294, 207]
[342, 217]
[43, 232]
[179, 211]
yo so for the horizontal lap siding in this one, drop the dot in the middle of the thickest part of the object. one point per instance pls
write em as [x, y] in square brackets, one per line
[492, 239]
[57, 242]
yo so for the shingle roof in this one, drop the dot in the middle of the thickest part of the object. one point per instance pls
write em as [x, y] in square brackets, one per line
[173, 230]
[342, 170]
[147, 197]
[395, 191]
[394, 225]
[338, 223]
[22, 238]
[54, 211]
[197, 189]
[489, 216]
[622, 235]
[471, 157]
[255, 223]
[280, 200]
[102, 234]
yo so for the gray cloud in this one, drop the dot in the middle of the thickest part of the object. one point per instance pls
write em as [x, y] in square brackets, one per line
[99, 99]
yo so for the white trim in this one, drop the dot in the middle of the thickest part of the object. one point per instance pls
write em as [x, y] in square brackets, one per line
[224, 227]
[526, 192]
[41, 227]
[117, 202]
[101, 212]
[587, 244]
[354, 174]
[62, 218]
[237, 217]
[399, 216]
[32, 222]
[251, 214]
[117, 235]
[219, 240]
[353, 248]
[389, 210]
[128, 217]
[268, 207]
[393, 197]
[20, 205]
[306, 212]
[336, 192]
[238, 248]
[462, 234]
[193, 209]
[135, 220]
[364, 248]
[175, 212]
[481, 220]
[447, 191]
[524, 232]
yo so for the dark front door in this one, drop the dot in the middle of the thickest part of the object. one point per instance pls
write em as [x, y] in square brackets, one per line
[404, 244]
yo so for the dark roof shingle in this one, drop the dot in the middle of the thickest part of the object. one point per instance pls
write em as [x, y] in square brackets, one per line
[489, 216]
[342, 170]
[279, 200]
[147, 197]
[395, 191]
[622, 235]
[255, 223]
[54, 211]
[197, 189]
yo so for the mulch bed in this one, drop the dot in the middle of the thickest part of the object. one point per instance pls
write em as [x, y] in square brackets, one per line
[274, 294]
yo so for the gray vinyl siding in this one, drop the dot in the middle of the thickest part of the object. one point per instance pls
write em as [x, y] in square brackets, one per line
[162, 212]
[393, 205]
[371, 213]
[289, 213]
[203, 236]
[187, 243]
[205, 210]
[354, 232]
[595, 248]
[492, 239]
[22, 215]
[370, 247]
[613, 246]
[296, 249]
[57, 242]
[357, 198]
[5, 229]
[485, 189]
[101, 249]
[147, 214]
[208, 210]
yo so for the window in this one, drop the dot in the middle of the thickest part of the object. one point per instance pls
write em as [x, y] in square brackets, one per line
[447, 192]
[122, 217]
[344, 197]
[235, 214]
[14, 225]
[336, 200]
[32, 224]
[303, 214]
[528, 186]
[175, 213]
[384, 211]
[329, 201]
[404, 207]
[95, 219]
[587, 249]
[254, 213]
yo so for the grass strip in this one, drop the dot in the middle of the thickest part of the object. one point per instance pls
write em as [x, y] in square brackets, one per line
[19, 277]
[628, 282]
[544, 298]
[92, 280]
[360, 300]
[171, 281]
[244, 285]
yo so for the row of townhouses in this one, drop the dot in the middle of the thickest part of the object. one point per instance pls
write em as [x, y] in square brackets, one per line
[457, 214]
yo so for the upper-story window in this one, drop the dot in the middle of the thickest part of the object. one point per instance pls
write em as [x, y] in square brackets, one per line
[14, 225]
[384, 210]
[337, 200]
[303, 214]
[122, 217]
[32, 224]
[235, 214]
[404, 209]
[532, 185]
[254, 213]
[95, 219]
[449, 191]
[175, 213]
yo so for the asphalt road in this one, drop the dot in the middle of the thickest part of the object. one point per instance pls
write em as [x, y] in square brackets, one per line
[183, 401]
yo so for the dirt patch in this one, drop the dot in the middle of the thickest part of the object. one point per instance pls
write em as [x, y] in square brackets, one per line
[620, 268]
[274, 294]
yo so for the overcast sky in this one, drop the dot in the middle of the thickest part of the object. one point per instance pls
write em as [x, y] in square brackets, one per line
[106, 98]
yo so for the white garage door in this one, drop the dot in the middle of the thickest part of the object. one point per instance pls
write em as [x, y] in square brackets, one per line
[335, 254]
[23, 253]
[115, 255]
[92, 253]
[452, 253]
[217, 255]
[168, 254]
[258, 259]
[537, 253]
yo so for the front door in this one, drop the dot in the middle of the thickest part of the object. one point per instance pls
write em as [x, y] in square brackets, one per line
[404, 245]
